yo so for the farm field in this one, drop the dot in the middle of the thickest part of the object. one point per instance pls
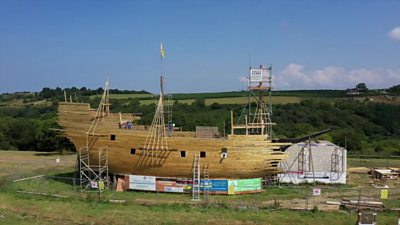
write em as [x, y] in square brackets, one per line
[163, 208]
[125, 96]
[231, 100]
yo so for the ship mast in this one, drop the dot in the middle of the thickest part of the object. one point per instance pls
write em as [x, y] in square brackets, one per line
[156, 144]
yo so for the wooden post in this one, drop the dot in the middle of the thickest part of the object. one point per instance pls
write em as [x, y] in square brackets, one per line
[262, 127]
[398, 217]
[231, 122]
[65, 96]
[245, 118]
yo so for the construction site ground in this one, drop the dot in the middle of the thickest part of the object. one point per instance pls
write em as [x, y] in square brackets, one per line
[51, 196]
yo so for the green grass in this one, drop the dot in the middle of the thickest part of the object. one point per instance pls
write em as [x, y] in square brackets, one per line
[231, 100]
[21, 209]
[125, 96]
[167, 208]
[357, 162]
[235, 94]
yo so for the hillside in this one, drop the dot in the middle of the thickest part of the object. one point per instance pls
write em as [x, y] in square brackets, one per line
[368, 123]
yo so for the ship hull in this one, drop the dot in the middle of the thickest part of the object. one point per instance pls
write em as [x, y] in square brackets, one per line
[248, 156]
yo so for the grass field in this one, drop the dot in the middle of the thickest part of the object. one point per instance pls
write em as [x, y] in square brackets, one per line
[163, 208]
[373, 162]
[240, 97]
[125, 96]
[232, 100]
[233, 94]
[37, 210]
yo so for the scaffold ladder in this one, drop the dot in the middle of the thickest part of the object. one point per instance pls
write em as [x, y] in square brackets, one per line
[336, 163]
[206, 181]
[196, 178]
[305, 162]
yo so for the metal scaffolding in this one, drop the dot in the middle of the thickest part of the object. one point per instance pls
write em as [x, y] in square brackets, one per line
[337, 163]
[305, 162]
[196, 178]
[93, 177]
[94, 173]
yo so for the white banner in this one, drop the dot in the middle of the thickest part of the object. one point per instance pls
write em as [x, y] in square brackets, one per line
[259, 75]
[145, 183]
[174, 189]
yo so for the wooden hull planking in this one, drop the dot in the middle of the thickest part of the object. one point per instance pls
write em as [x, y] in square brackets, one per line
[248, 156]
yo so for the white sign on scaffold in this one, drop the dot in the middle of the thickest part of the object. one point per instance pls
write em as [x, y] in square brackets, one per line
[316, 191]
[94, 184]
[259, 75]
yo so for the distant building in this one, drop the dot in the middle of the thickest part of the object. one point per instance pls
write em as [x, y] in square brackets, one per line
[322, 162]
[352, 91]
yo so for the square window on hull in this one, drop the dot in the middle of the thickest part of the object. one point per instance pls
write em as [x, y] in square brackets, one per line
[133, 151]
[183, 154]
[202, 154]
[112, 137]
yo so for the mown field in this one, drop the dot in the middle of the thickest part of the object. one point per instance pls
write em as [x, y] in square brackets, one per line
[162, 208]
[231, 100]
[125, 96]
[241, 97]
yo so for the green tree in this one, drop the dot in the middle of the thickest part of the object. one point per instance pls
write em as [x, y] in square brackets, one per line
[362, 87]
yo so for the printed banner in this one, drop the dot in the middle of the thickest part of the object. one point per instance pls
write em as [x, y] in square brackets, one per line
[214, 185]
[246, 184]
[145, 183]
[174, 189]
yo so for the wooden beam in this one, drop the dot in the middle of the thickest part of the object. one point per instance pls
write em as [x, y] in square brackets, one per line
[231, 122]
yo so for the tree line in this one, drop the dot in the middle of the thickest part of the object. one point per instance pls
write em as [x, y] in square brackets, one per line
[363, 127]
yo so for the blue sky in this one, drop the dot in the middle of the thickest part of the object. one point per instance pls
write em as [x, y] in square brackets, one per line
[310, 44]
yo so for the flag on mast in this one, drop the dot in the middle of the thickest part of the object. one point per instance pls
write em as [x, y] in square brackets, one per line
[161, 51]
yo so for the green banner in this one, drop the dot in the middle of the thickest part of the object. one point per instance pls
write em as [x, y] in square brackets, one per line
[246, 184]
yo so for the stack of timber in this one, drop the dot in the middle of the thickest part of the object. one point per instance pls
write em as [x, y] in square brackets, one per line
[305, 205]
[354, 205]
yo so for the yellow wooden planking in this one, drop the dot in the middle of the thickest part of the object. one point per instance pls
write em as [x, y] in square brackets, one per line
[248, 155]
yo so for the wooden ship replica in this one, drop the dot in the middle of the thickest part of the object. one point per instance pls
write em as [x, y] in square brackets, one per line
[114, 142]
[156, 150]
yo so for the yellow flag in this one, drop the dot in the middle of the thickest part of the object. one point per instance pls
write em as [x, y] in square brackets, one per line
[162, 51]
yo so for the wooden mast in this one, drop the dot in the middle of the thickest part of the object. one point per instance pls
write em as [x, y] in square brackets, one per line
[156, 140]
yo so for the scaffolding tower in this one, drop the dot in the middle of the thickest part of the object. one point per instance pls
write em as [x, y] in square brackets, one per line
[337, 163]
[305, 161]
[94, 176]
[255, 117]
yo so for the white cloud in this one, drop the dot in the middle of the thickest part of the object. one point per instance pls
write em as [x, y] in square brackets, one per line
[395, 34]
[243, 79]
[295, 76]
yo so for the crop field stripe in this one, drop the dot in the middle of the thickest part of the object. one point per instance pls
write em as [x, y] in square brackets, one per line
[232, 100]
